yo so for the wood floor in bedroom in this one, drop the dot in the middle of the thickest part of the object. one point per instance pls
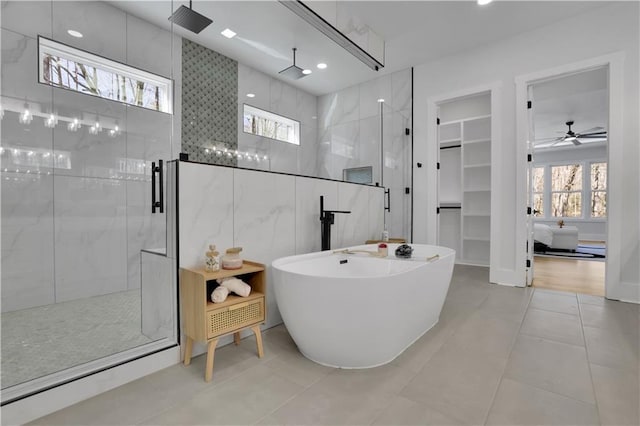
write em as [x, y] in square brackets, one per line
[575, 276]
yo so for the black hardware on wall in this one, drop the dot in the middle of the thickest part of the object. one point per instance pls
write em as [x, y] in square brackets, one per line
[387, 192]
[528, 210]
[438, 121]
[407, 190]
[419, 165]
[437, 210]
[184, 156]
[157, 204]
[407, 131]
[529, 158]
[528, 263]
[438, 166]
[529, 104]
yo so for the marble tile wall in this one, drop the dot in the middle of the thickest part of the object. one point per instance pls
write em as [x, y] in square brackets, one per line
[76, 206]
[270, 215]
[281, 98]
[349, 135]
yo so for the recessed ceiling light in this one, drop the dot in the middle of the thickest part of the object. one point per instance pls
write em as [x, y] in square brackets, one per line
[74, 33]
[483, 2]
[251, 95]
[228, 33]
[380, 100]
[321, 66]
[306, 72]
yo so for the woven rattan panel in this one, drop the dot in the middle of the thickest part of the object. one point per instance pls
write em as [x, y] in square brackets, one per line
[230, 319]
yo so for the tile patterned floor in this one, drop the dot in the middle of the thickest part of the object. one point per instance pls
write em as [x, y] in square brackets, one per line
[47, 339]
[499, 356]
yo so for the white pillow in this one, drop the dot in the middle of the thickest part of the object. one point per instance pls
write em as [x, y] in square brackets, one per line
[542, 233]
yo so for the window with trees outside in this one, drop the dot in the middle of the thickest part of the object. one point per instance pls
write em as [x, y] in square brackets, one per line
[73, 69]
[538, 191]
[566, 190]
[264, 123]
[570, 190]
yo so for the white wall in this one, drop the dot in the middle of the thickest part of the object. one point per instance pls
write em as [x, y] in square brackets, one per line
[501, 63]
[269, 215]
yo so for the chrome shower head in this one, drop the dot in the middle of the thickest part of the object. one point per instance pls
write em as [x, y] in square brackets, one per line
[293, 72]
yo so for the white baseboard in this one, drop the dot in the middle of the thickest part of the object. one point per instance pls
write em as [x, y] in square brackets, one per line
[47, 402]
[627, 292]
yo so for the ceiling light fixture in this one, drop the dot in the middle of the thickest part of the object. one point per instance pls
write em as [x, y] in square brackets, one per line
[483, 2]
[74, 33]
[305, 12]
[188, 18]
[322, 66]
[251, 95]
[228, 33]
[380, 100]
[306, 72]
[73, 125]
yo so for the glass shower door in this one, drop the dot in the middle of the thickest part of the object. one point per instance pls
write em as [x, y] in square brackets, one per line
[76, 201]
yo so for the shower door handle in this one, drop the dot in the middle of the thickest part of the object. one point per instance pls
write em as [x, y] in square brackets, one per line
[157, 204]
[387, 192]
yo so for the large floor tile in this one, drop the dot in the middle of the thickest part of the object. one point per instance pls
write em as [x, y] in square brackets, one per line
[487, 334]
[242, 400]
[617, 317]
[555, 301]
[617, 394]
[316, 407]
[553, 326]
[507, 302]
[403, 411]
[519, 404]
[417, 355]
[554, 366]
[298, 369]
[387, 379]
[457, 382]
[611, 349]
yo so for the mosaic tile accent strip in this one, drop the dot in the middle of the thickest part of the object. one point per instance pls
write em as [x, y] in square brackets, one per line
[209, 104]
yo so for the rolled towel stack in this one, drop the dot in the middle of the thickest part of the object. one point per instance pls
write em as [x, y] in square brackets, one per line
[220, 294]
[236, 286]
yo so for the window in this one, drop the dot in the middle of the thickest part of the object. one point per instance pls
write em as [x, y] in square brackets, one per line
[69, 68]
[566, 190]
[538, 191]
[264, 123]
[598, 206]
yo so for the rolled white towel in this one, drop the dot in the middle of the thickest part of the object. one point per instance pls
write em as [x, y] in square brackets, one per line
[220, 294]
[236, 286]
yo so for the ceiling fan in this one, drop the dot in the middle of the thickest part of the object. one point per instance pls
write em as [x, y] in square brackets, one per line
[577, 138]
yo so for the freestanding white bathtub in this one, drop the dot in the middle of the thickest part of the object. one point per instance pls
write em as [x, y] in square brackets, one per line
[366, 311]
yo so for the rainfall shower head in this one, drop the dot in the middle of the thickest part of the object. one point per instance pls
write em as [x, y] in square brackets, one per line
[188, 18]
[293, 72]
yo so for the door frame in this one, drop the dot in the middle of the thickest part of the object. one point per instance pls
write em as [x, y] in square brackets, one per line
[615, 64]
[495, 90]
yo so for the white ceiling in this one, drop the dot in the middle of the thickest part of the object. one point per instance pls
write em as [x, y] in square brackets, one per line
[581, 98]
[415, 32]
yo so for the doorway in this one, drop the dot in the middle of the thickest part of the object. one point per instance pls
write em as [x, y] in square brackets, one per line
[567, 184]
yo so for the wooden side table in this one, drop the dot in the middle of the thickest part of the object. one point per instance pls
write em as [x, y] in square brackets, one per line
[206, 321]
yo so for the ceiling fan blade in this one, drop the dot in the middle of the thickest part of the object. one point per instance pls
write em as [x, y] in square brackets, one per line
[597, 129]
[593, 136]
[576, 142]
[548, 139]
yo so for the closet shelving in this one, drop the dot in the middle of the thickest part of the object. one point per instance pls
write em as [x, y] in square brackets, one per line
[465, 188]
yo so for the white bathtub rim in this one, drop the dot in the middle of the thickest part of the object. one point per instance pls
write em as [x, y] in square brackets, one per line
[281, 262]
[374, 365]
